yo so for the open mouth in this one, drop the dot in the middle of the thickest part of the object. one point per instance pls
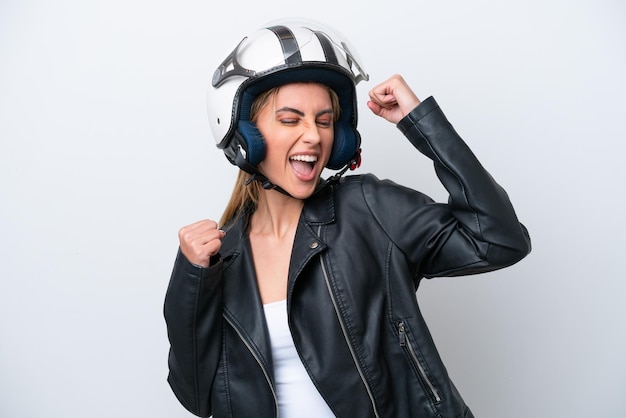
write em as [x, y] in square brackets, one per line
[303, 165]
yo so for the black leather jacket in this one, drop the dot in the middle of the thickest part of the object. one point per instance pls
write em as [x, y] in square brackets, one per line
[360, 250]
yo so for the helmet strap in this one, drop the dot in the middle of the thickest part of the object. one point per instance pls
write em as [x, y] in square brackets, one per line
[256, 175]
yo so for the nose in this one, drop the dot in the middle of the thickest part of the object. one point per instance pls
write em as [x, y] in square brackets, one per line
[312, 134]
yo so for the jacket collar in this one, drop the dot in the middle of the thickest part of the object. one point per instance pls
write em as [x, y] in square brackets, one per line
[319, 209]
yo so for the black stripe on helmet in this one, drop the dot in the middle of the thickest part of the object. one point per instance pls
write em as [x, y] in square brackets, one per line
[327, 47]
[288, 43]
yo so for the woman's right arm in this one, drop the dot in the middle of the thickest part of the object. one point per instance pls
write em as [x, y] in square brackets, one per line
[193, 314]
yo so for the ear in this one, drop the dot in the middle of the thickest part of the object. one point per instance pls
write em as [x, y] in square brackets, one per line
[254, 141]
[345, 145]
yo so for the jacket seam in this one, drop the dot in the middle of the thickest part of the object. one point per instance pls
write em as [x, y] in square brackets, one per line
[388, 284]
[195, 345]
[228, 402]
[376, 219]
[416, 127]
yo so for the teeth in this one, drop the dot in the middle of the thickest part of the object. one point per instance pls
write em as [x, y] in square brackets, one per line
[305, 158]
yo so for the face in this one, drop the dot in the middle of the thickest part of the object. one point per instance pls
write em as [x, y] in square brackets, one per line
[297, 125]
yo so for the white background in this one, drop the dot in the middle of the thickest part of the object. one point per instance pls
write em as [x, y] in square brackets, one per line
[106, 151]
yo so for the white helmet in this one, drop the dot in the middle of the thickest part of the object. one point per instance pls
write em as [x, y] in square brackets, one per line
[282, 52]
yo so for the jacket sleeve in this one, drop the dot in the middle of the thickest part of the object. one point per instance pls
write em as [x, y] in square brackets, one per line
[476, 231]
[193, 315]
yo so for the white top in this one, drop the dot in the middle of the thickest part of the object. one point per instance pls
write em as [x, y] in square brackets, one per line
[297, 396]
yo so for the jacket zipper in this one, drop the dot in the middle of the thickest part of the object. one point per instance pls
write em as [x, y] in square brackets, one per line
[345, 335]
[404, 342]
[258, 360]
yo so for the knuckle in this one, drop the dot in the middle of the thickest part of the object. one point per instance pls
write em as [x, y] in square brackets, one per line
[183, 234]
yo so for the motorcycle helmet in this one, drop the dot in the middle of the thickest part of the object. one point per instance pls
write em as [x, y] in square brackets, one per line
[281, 52]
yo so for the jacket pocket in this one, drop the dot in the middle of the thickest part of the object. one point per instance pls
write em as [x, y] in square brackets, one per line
[417, 362]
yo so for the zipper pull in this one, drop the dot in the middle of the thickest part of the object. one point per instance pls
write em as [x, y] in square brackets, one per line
[401, 334]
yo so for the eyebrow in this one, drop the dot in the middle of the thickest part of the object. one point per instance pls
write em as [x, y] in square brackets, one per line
[299, 112]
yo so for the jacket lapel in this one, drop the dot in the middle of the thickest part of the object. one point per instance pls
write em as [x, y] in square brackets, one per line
[318, 210]
[242, 303]
[243, 307]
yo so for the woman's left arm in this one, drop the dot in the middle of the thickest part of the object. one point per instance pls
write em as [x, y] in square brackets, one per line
[478, 229]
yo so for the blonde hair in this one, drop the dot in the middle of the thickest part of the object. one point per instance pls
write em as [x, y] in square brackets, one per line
[246, 193]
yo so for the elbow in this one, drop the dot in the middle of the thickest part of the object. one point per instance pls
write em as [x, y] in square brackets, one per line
[524, 244]
[515, 250]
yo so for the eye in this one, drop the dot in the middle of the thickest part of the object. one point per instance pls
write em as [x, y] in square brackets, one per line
[325, 122]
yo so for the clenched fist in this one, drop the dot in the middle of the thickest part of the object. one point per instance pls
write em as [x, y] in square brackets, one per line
[200, 241]
[392, 99]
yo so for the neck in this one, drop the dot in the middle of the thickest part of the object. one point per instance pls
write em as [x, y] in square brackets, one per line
[276, 214]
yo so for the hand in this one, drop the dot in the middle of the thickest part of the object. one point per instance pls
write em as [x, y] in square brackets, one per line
[200, 241]
[392, 99]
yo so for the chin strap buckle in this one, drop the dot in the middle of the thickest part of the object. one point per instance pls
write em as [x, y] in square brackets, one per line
[356, 162]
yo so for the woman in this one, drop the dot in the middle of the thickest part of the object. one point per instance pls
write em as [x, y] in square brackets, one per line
[306, 305]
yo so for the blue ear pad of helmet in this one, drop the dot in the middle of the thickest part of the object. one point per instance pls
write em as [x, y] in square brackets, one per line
[345, 146]
[251, 139]
[254, 141]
